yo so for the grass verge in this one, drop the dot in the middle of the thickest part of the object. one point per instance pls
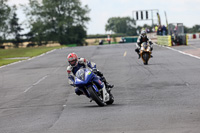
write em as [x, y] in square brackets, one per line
[5, 54]
[6, 62]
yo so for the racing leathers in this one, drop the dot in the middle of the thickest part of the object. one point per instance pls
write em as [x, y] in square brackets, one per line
[140, 40]
[83, 63]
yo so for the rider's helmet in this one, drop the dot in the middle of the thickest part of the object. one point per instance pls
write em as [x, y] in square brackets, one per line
[72, 59]
[143, 33]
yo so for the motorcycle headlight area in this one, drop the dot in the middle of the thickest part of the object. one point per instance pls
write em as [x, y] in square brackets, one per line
[80, 74]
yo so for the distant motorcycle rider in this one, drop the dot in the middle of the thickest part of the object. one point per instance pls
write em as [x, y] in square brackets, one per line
[143, 38]
[76, 63]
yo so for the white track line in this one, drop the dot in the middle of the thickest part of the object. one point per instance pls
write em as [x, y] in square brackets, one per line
[184, 53]
[125, 53]
[197, 57]
[40, 80]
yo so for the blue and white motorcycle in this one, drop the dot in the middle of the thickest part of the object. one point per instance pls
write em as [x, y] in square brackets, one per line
[91, 85]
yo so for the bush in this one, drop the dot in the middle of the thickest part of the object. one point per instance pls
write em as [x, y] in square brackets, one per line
[104, 35]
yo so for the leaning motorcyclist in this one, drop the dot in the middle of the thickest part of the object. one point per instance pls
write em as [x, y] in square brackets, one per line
[143, 38]
[76, 63]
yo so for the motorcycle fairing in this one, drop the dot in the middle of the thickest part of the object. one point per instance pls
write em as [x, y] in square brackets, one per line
[88, 77]
[86, 82]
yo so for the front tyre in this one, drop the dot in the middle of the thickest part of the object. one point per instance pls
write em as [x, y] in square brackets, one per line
[95, 96]
[146, 63]
[146, 57]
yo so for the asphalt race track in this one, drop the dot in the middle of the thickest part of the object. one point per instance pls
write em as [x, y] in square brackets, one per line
[162, 97]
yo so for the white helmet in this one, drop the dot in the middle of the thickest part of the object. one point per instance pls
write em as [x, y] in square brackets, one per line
[143, 33]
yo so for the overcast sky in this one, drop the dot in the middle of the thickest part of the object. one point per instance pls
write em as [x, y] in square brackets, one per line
[178, 11]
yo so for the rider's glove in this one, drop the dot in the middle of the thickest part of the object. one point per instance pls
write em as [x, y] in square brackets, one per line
[73, 85]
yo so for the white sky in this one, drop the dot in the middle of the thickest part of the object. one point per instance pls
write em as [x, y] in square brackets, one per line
[178, 11]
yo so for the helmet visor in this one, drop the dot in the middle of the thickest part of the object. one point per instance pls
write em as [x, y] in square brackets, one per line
[144, 34]
[73, 62]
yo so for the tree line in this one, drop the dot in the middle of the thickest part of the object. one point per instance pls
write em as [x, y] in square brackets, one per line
[127, 26]
[194, 29]
[62, 21]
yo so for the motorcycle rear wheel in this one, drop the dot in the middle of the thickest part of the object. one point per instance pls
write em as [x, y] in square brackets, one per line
[111, 100]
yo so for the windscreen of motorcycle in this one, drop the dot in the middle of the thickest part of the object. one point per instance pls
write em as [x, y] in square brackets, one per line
[145, 45]
[80, 74]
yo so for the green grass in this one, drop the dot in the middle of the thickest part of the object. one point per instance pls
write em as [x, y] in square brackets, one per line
[5, 62]
[110, 43]
[71, 45]
[21, 52]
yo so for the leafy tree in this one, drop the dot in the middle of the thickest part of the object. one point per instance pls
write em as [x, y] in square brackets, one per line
[194, 29]
[124, 25]
[145, 26]
[15, 29]
[186, 29]
[56, 20]
[76, 34]
[5, 11]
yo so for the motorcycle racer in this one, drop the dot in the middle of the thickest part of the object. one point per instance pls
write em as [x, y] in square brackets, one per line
[76, 63]
[142, 38]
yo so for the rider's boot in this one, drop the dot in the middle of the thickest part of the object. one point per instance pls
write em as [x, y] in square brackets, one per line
[108, 86]
[151, 52]
[138, 56]
[103, 79]
[138, 52]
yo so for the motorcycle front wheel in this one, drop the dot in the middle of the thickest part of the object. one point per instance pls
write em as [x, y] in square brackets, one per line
[96, 97]
[145, 57]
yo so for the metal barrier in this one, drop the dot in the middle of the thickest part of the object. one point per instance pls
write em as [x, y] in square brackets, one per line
[193, 38]
[130, 39]
[180, 39]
